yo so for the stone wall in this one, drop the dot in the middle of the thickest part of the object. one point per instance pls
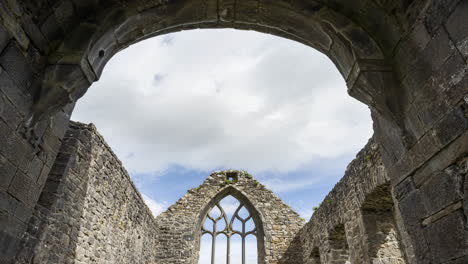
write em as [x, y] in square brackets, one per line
[179, 228]
[89, 211]
[406, 60]
[356, 220]
[25, 162]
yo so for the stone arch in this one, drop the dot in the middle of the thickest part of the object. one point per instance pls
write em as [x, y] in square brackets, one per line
[256, 216]
[349, 39]
[338, 252]
[381, 232]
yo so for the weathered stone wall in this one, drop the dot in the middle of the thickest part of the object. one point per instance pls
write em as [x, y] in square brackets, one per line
[116, 225]
[179, 228]
[24, 164]
[406, 60]
[356, 218]
[89, 211]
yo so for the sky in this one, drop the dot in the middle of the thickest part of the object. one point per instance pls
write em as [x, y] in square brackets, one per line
[176, 107]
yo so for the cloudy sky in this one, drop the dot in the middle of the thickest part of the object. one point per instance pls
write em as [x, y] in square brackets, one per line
[176, 107]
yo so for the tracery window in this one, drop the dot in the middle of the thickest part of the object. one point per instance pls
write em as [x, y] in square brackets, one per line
[228, 234]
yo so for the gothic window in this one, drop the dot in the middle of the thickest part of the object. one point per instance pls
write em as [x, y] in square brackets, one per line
[228, 234]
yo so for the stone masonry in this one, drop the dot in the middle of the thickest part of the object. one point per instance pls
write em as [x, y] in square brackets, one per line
[90, 212]
[278, 224]
[361, 208]
[407, 60]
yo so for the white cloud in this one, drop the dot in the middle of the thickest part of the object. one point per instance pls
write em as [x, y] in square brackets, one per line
[207, 99]
[155, 207]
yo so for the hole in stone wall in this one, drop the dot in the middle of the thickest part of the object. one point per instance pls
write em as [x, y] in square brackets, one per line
[101, 53]
[231, 176]
[382, 233]
[339, 249]
[314, 256]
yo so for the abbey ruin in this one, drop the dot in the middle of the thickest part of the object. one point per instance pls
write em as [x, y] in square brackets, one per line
[66, 198]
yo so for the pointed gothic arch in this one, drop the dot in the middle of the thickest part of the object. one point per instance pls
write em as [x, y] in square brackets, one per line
[254, 214]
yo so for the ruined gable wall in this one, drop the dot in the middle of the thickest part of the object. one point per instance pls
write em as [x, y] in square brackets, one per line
[179, 227]
[90, 211]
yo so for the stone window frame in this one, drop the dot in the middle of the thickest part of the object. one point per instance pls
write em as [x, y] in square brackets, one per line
[255, 214]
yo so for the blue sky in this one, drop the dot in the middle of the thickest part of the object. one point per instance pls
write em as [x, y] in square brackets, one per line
[177, 107]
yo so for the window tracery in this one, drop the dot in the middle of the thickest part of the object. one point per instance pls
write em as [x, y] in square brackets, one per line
[229, 220]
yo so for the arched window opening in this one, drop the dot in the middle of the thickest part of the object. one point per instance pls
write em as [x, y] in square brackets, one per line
[314, 257]
[382, 234]
[339, 249]
[228, 234]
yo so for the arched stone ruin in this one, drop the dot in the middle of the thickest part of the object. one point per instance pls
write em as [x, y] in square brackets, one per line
[406, 60]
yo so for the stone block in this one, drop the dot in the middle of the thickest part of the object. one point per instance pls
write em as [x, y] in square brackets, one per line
[430, 105]
[451, 81]
[438, 50]
[59, 122]
[342, 55]
[446, 247]
[101, 52]
[23, 212]
[17, 66]
[457, 27]
[404, 188]
[8, 204]
[412, 210]
[8, 112]
[363, 45]
[441, 190]
[4, 38]
[451, 126]
[51, 28]
[420, 37]
[423, 150]
[12, 148]
[34, 33]
[7, 171]
[65, 15]
[20, 187]
[21, 100]
[437, 13]
[442, 160]
[35, 167]
[43, 176]
[8, 242]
